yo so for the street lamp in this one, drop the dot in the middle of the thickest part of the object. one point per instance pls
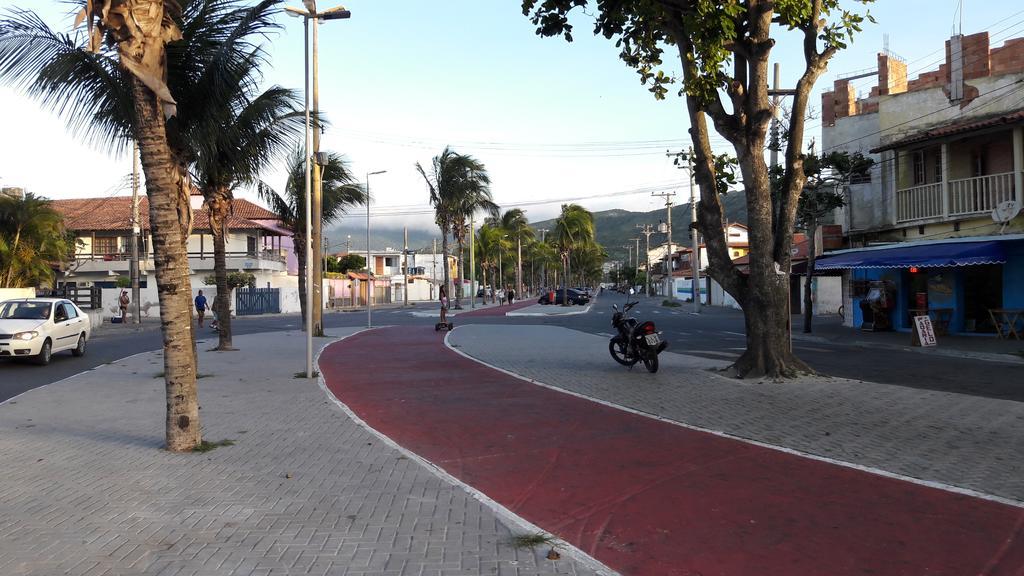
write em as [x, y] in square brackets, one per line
[310, 12]
[369, 283]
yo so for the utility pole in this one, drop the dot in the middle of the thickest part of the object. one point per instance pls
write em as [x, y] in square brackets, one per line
[544, 265]
[405, 266]
[647, 230]
[472, 262]
[777, 93]
[670, 285]
[433, 266]
[519, 266]
[316, 201]
[136, 231]
[680, 158]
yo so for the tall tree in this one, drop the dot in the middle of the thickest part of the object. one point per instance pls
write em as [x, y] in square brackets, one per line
[32, 241]
[574, 233]
[517, 226]
[115, 87]
[724, 47]
[253, 132]
[341, 191]
[459, 186]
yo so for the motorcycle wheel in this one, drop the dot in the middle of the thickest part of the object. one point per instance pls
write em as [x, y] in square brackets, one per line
[617, 348]
[650, 359]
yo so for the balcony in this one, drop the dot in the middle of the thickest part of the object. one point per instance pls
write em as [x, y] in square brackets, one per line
[965, 197]
[118, 264]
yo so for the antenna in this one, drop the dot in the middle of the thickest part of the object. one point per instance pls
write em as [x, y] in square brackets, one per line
[885, 43]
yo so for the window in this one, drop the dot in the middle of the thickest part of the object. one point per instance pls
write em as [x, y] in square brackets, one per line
[864, 178]
[72, 313]
[977, 163]
[918, 168]
[105, 245]
[938, 166]
[389, 262]
[250, 245]
[60, 314]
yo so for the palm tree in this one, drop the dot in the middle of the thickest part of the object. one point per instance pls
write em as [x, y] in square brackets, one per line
[148, 72]
[255, 131]
[574, 229]
[340, 192]
[32, 241]
[517, 226]
[459, 187]
[488, 244]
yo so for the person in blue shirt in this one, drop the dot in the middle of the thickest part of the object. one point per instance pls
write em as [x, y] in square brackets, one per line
[201, 307]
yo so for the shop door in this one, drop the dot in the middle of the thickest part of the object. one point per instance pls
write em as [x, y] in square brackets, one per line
[983, 289]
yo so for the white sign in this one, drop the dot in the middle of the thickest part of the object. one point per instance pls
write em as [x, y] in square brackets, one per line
[925, 331]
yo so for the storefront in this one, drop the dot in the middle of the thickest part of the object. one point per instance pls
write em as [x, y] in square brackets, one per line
[956, 281]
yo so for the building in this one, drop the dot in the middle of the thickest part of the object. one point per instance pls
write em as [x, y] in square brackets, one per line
[936, 224]
[425, 274]
[255, 243]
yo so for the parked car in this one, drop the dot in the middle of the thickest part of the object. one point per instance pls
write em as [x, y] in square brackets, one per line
[37, 327]
[574, 296]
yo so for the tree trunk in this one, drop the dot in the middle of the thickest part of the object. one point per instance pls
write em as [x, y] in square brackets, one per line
[444, 258]
[812, 231]
[218, 206]
[300, 256]
[172, 273]
[462, 275]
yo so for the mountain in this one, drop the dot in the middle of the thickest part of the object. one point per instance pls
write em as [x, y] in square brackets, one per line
[617, 227]
[380, 238]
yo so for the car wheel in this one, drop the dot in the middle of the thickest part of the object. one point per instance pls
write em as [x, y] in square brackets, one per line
[43, 358]
[79, 350]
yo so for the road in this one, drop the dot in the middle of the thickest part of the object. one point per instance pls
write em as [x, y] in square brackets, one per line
[716, 333]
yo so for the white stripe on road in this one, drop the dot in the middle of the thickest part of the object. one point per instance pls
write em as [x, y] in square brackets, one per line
[734, 333]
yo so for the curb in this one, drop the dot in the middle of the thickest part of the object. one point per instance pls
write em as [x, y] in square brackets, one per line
[937, 351]
[544, 315]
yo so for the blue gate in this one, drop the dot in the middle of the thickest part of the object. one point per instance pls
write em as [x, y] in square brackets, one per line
[253, 301]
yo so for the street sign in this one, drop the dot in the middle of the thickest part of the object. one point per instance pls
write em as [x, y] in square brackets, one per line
[924, 331]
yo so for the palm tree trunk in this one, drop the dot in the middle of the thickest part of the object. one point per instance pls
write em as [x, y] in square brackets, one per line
[462, 275]
[218, 207]
[300, 255]
[444, 258]
[172, 273]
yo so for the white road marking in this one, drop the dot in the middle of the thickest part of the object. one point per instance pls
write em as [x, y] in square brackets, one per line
[734, 333]
[605, 334]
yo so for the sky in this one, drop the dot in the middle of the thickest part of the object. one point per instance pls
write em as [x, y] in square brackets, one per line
[552, 121]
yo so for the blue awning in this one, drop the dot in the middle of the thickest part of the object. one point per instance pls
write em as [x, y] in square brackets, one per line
[920, 256]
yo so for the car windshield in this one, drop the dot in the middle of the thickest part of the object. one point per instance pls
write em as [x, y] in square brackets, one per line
[25, 311]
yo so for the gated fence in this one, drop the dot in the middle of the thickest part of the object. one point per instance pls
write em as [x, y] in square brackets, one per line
[253, 301]
[90, 297]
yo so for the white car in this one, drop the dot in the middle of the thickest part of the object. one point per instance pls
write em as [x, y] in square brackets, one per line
[37, 327]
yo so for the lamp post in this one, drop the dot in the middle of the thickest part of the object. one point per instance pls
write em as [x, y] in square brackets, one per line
[369, 282]
[311, 13]
[544, 265]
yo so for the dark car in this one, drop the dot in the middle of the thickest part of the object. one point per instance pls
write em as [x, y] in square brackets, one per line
[574, 296]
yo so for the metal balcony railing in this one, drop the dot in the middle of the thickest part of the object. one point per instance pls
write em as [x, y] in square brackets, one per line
[966, 197]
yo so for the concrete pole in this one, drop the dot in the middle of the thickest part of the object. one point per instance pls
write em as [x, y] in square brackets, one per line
[405, 266]
[519, 266]
[136, 231]
[308, 249]
[317, 200]
[670, 287]
[369, 282]
[472, 262]
[433, 266]
[694, 240]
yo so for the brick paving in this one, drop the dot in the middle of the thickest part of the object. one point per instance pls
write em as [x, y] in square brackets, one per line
[88, 491]
[970, 442]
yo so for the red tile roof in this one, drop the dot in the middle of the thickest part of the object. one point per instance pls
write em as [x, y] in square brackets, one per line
[954, 129]
[114, 214]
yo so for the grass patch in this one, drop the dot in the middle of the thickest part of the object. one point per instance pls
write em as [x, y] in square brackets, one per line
[532, 540]
[302, 374]
[206, 446]
[671, 303]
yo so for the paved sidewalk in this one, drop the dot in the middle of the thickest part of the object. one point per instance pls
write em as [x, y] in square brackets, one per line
[433, 310]
[88, 491]
[547, 310]
[966, 441]
[651, 498]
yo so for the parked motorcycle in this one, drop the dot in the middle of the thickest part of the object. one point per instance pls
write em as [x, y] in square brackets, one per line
[635, 341]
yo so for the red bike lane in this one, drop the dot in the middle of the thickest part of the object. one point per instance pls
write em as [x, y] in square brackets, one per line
[647, 497]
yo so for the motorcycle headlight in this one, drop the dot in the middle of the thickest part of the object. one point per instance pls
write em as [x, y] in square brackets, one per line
[25, 335]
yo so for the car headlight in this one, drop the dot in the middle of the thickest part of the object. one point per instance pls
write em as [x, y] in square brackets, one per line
[25, 335]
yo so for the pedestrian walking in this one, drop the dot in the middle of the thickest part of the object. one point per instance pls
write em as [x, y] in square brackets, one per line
[201, 307]
[122, 303]
[443, 298]
[511, 296]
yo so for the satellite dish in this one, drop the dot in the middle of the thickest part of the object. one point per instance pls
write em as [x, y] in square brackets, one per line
[1004, 212]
